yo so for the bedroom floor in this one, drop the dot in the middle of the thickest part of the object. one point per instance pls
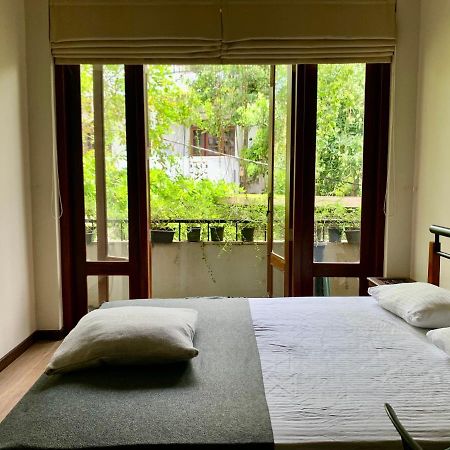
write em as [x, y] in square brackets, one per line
[19, 376]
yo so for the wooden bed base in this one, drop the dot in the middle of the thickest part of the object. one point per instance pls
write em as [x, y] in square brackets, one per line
[435, 253]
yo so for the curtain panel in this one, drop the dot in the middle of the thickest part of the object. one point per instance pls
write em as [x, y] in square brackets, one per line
[222, 31]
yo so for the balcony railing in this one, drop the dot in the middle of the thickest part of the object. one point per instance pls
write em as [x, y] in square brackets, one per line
[118, 228]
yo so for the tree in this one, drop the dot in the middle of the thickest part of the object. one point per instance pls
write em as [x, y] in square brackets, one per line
[340, 125]
[222, 97]
[215, 98]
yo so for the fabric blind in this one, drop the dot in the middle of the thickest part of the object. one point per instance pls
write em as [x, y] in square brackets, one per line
[133, 31]
[222, 31]
[308, 30]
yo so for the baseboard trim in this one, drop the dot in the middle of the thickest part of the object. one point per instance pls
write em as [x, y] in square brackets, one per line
[38, 335]
[49, 335]
[12, 355]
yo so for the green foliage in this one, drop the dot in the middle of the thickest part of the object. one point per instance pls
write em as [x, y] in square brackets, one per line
[215, 98]
[186, 198]
[116, 186]
[168, 104]
[222, 97]
[337, 213]
[340, 122]
[225, 96]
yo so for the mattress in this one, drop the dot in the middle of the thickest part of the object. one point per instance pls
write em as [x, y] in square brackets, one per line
[330, 364]
[215, 401]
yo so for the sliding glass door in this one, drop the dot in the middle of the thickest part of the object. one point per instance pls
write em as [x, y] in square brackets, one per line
[103, 183]
[298, 153]
[278, 206]
[339, 177]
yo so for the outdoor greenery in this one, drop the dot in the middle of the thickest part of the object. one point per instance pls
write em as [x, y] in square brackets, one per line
[340, 122]
[215, 99]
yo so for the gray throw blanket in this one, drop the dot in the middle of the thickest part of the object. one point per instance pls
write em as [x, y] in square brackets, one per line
[216, 400]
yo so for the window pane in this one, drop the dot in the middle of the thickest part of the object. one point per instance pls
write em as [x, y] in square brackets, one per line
[339, 159]
[106, 288]
[208, 150]
[104, 162]
[336, 287]
[279, 169]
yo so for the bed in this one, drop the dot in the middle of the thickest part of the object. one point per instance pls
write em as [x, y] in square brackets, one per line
[291, 373]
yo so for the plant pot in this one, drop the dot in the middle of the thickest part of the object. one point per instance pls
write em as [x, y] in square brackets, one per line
[193, 234]
[319, 250]
[216, 233]
[248, 234]
[320, 233]
[162, 236]
[353, 236]
[89, 237]
[334, 234]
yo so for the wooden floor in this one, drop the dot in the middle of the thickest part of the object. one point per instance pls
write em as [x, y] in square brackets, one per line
[19, 376]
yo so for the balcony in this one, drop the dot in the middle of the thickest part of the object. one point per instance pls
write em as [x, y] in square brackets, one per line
[229, 268]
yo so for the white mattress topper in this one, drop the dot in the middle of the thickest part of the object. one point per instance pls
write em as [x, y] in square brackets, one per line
[330, 364]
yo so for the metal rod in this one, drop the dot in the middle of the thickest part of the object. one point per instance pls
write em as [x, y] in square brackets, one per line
[441, 231]
[443, 254]
[216, 152]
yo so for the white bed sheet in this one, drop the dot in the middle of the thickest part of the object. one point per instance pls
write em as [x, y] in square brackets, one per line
[330, 364]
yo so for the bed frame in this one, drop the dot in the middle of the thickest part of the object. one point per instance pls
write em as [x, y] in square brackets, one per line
[435, 253]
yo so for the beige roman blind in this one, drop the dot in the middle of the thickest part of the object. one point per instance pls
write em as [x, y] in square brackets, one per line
[308, 30]
[135, 31]
[222, 31]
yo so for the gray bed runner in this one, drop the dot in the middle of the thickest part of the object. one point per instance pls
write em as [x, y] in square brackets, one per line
[215, 400]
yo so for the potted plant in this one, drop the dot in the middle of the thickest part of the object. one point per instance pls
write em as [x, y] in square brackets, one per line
[334, 232]
[90, 232]
[194, 233]
[254, 218]
[216, 232]
[353, 227]
[319, 220]
[160, 231]
[161, 234]
[222, 211]
[248, 233]
[334, 214]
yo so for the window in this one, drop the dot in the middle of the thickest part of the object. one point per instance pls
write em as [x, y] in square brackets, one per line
[204, 144]
[294, 143]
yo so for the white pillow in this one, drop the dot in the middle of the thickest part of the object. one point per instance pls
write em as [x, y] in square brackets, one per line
[440, 338]
[127, 335]
[420, 304]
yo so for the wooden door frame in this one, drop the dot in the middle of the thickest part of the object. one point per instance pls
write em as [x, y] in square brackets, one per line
[375, 157]
[281, 263]
[270, 183]
[74, 267]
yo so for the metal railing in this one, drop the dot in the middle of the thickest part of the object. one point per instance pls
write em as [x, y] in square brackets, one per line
[118, 228]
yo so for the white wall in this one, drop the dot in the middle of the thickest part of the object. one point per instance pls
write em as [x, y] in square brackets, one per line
[17, 309]
[432, 181]
[231, 269]
[41, 126]
[45, 227]
[401, 158]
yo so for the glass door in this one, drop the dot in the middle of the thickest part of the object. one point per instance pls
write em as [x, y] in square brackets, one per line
[278, 186]
[339, 177]
[103, 183]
